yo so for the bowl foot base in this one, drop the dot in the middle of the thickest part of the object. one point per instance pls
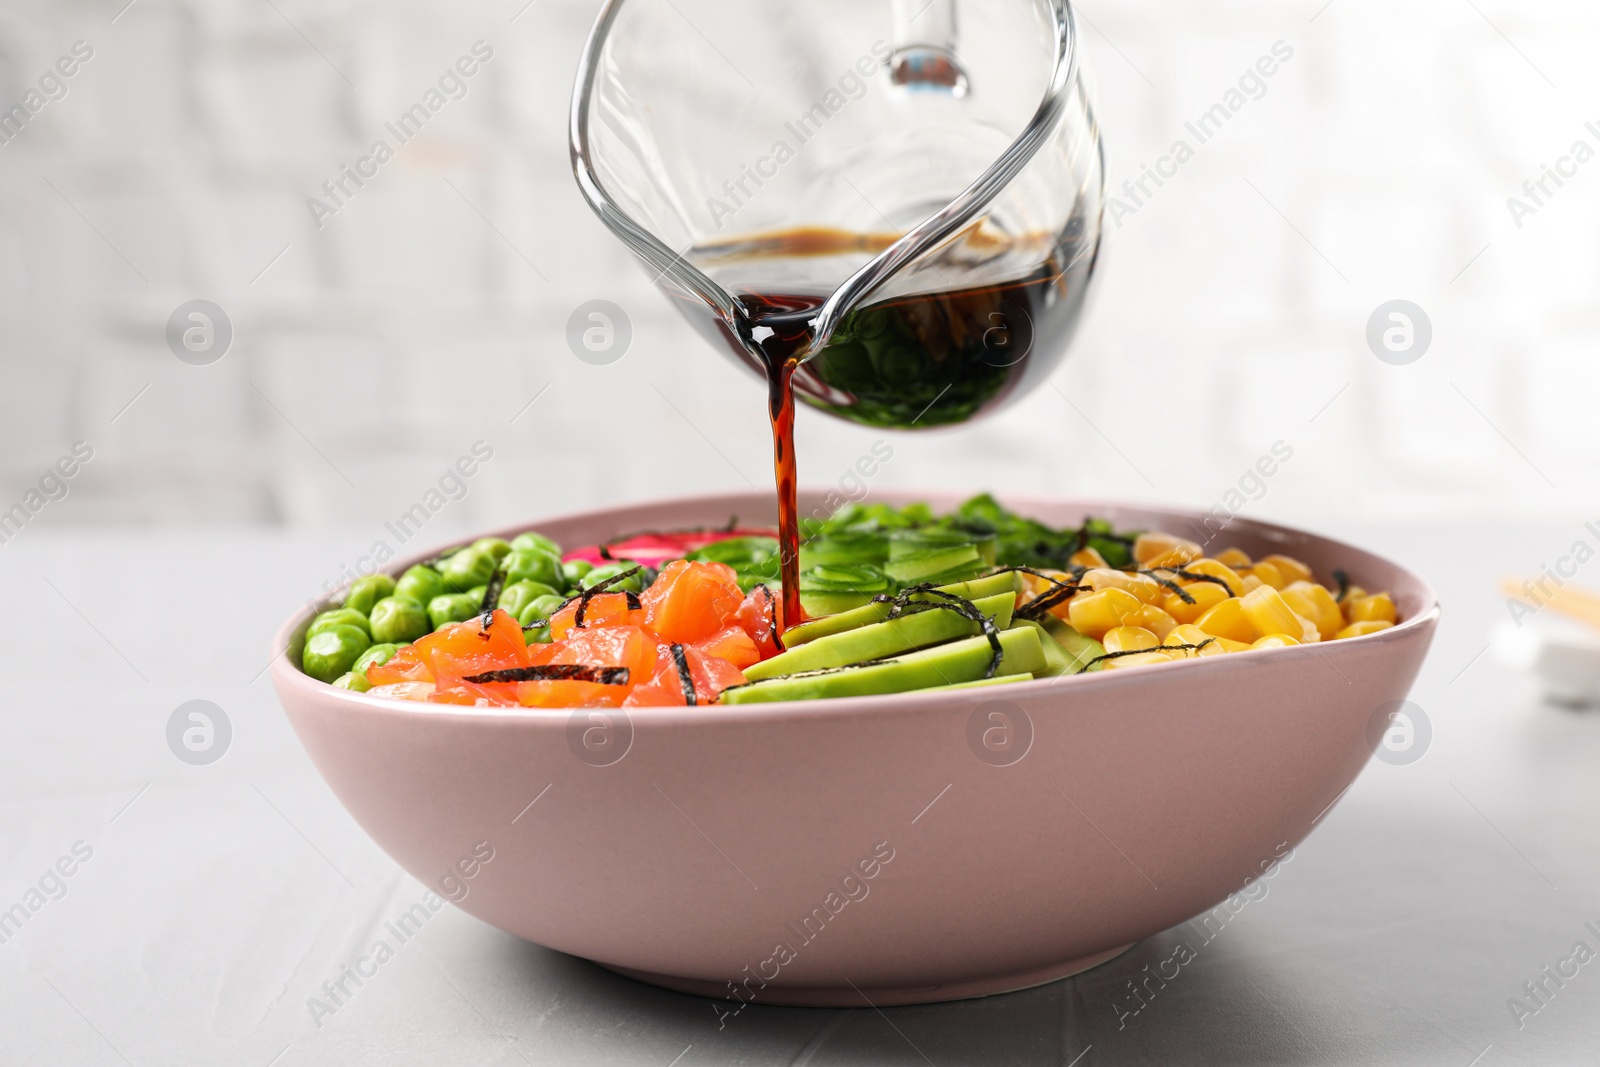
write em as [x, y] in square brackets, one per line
[884, 996]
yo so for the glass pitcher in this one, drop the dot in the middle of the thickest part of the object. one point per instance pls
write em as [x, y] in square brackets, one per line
[916, 211]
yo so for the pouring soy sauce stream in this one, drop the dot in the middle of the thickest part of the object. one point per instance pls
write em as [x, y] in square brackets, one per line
[967, 295]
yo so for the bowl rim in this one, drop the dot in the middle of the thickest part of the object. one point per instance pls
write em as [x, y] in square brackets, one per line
[289, 678]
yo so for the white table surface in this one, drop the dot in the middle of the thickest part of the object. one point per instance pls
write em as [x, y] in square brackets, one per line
[218, 899]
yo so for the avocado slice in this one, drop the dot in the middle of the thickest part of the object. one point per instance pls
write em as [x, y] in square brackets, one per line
[880, 640]
[909, 570]
[948, 664]
[1080, 649]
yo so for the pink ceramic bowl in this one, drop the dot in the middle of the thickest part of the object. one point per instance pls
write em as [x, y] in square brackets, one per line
[896, 849]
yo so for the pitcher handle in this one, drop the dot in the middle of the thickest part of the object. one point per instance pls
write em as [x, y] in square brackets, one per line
[973, 199]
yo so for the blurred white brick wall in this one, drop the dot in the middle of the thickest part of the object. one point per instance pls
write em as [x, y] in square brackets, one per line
[426, 314]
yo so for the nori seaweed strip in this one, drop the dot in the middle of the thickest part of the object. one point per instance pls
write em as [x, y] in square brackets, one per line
[1059, 593]
[898, 605]
[1190, 576]
[1138, 652]
[733, 524]
[1182, 593]
[1075, 571]
[555, 672]
[491, 594]
[1040, 605]
[685, 676]
[483, 625]
[605, 552]
[772, 615]
[1344, 585]
[595, 590]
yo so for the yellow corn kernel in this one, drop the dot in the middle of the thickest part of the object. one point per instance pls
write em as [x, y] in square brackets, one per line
[1312, 601]
[1205, 596]
[1353, 592]
[1362, 629]
[1087, 557]
[1269, 575]
[1291, 569]
[1186, 634]
[1216, 569]
[1376, 608]
[1153, 619]
[1143, 659]
[1232, 557]
[1270, 614]
[1092, 614]
[1276, 641]
[1228, 619]
[1146, 588]
[1129, 639]
[1164, 550]
[1251, 583]
[1193, 635]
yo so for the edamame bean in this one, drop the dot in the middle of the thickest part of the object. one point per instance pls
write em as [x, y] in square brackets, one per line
[354, 681]
[478, 592]
[539, 609]
[465, 569]
[331, 652]
[421, 583]
[534, 565]
[574, 570]
[339, 617]
[535, 618]
[530, 539]
[398, 619]
[513, 598]
[365, 592]
[611, 570]
[376, 656]
[451, 607]
[493, 546]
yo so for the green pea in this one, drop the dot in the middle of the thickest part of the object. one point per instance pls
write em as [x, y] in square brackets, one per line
[539, 609]
[515, 597]
[534, 565]
[531, 539]
[355, 681]
[365, 592]
[331, 652]
[376, 656]
[492, 546]
[574, 570]
[478, 592]
[339, 617]
[398, 619]
[451, 607]
[421, 583]
[467, 568]
[611, 570]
